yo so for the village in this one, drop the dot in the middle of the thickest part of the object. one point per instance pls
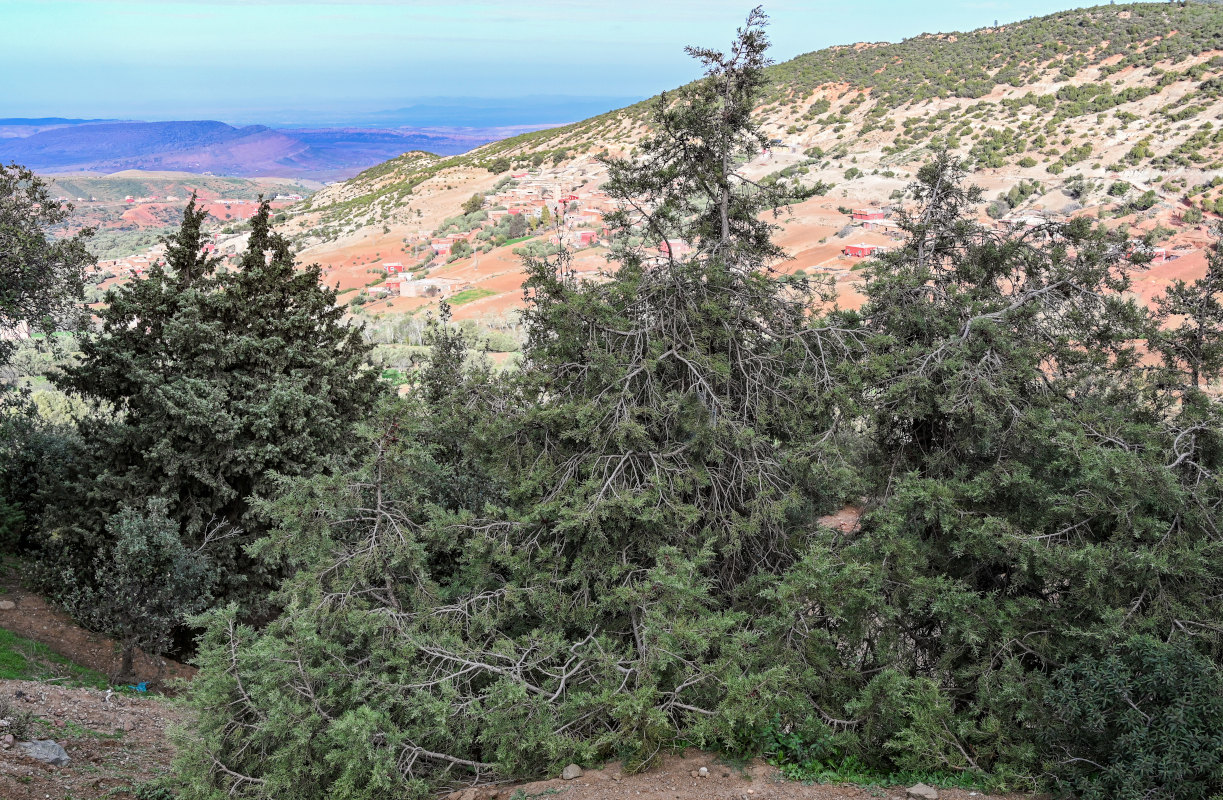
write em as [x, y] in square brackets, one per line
[472, 256]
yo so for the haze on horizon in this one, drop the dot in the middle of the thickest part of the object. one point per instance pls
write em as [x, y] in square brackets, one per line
[270, 61]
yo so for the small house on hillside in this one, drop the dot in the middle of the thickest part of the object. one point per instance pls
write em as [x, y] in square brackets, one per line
[885, 225]
[392, 267]
[432, 287]
[675, 249]
[863, 250]
[868, 214]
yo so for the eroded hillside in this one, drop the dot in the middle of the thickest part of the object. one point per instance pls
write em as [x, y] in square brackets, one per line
[1113, 110]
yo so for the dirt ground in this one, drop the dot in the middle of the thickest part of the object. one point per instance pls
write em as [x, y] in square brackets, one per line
[678, 778]
[120, 742]
[35, 618]
[115, 743]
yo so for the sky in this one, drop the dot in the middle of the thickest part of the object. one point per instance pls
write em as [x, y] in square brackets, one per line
[245, 61]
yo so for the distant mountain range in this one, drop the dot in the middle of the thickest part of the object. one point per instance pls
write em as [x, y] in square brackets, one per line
[52, 145]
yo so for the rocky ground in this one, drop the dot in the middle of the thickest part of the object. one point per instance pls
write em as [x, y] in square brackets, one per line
[114, 742]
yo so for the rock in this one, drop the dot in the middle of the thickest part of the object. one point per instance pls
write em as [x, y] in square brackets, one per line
[615, 776]
[922, 792]
[703, 772]
[7, 741]
[46, 751]
[7, 605]
[570, 772]
[692, 773]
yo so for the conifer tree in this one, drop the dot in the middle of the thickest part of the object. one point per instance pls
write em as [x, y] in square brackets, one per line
[653, 467]
[208, 386]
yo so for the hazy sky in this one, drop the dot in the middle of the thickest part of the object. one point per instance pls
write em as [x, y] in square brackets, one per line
[249, 60]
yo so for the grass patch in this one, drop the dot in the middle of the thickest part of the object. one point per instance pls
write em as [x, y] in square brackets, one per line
[394, 377]
[519, 239]
[468, 295]
[26, 660]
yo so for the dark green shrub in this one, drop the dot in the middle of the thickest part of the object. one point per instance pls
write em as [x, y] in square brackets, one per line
[1144, 720]
[144, 585]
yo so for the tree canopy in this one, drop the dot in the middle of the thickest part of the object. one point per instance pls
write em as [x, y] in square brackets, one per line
[41, 276]
[619, 549]
[209, 386]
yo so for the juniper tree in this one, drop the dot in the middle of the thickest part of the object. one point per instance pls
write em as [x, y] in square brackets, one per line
[695, 378]
[1025, 510]
[615, 549]
[649, 472]
[206, 386]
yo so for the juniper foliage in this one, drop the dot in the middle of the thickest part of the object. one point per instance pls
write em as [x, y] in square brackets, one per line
[206, 385]
[617, 549]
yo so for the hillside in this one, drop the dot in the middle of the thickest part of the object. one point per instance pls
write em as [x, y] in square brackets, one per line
[1111, 110]
[132, 209]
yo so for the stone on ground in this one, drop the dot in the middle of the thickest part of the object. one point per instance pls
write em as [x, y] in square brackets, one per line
[46, 751]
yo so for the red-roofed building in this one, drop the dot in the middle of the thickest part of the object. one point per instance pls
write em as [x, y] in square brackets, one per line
[864, 214]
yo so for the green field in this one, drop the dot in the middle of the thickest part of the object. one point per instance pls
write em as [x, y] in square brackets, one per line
[26, 660]
[469, 295]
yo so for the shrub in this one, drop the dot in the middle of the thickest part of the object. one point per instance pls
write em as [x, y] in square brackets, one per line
[1144, 720]
[501, 342]
[144, 586]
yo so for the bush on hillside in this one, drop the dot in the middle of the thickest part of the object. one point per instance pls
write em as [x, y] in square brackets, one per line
[144, 584]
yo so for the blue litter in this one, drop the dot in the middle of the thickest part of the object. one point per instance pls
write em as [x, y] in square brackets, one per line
[140, 687]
